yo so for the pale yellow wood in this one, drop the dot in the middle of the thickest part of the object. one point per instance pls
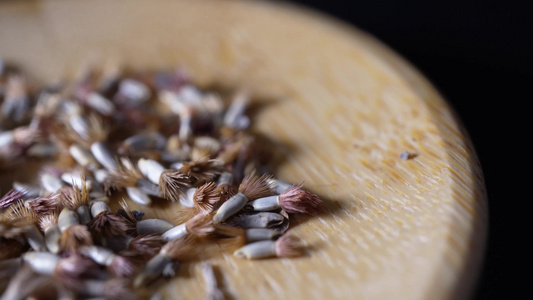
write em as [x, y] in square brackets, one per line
[341, 105]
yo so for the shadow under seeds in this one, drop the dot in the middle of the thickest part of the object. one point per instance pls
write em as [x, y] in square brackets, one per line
[329, 207]
[160, 203]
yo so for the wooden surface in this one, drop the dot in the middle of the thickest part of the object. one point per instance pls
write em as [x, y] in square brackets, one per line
[341, 105]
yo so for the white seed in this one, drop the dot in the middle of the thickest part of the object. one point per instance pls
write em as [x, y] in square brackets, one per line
[67, 218]
[190, 94]
[80, 126]
[261, 234]
[135, 91]
[98, 207]
[101, 104]
[42, 150]
[264, 204]
[278, 186]
[30, 191]
[75, 179]
[83, 157]
[148, 187]
[138, 196]
[232, 206]
[187, 96]
[35, 238]
[69, 108]
[261, 249]
[51, 183]
[175, 233]
[100, 175]
[177, 165]
[104, 156]
[51, 237]
[152, 270]
[171, 100]
[151, 169]
[41, 262]
[225, 178]
[187, 199]
[100, 255]
[156, 226]
[185, 131]
[213, 292]
[71, 178]
[236, 109]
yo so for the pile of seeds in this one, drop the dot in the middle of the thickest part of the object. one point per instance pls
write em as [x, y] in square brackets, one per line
[112, 139]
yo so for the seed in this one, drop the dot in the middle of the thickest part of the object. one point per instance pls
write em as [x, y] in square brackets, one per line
[67, 218]
[101, 104]
[41, 262]
[51, 183]
[156, 226]
[104, 156]
[257, 220]
[138, 196]
[285, 246]
[230, 207]
[117, 144]
[83, 157]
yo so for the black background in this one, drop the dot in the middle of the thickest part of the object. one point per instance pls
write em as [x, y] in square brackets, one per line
[477, 54]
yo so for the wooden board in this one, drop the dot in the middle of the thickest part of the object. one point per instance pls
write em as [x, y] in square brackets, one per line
[341, 106]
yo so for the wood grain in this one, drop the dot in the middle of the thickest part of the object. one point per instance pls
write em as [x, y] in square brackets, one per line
[340, 106]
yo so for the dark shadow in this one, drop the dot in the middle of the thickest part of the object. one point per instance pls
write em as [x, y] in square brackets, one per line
[329, 208]
[186, 269]
[160, 203]
[18, 172]
[270, 154]
[316, 246]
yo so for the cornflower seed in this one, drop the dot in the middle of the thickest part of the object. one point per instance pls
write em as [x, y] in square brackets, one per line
[158, 138]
